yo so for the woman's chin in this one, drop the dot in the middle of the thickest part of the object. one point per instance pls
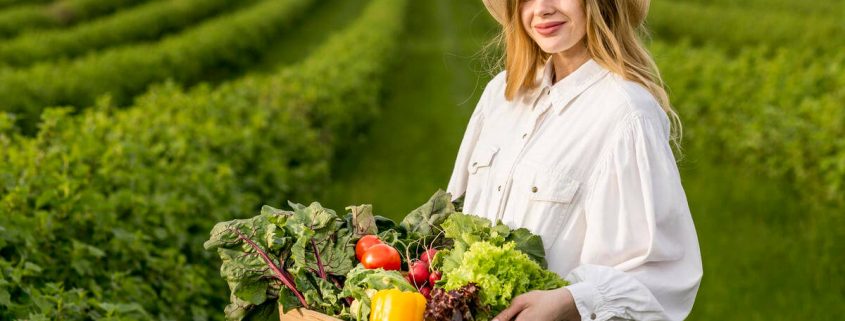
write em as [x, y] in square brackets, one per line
[552, 47]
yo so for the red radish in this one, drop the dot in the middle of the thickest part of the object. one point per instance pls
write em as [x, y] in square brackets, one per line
[418, 273]
[428, 255]
[426, 292]
[434, 277]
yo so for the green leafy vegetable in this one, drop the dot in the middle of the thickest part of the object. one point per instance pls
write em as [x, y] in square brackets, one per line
[323, 243]
[362, 283]
[293, 258]
[465, 229]
[363, 219]
[501, 272]
[423, 222]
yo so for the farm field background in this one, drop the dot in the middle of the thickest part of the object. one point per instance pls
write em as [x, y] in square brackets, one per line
[129, 127]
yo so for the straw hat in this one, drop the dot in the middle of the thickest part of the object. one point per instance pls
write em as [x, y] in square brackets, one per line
[499, 9]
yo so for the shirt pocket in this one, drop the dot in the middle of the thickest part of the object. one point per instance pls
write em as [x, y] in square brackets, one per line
[551, 200]
[482, 158]
[479, 168]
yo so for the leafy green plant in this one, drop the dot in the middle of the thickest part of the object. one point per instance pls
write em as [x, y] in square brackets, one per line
[775, 113]
[736, 28]
[501, 272]
[144, 22]
[229, 41]
[104, 213]
[17, 19]
[304, 253]
[8, 3]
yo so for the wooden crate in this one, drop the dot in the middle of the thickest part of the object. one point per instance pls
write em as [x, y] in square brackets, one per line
[304, 315]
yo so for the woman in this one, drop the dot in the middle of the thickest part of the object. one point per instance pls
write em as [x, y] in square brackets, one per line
[572, 141]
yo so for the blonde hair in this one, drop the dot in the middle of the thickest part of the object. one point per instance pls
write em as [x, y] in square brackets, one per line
[613, 41]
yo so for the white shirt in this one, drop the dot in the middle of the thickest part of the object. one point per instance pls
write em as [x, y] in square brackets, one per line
[586, 164]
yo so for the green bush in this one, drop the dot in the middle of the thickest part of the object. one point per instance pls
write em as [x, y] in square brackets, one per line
[103, 214]
[735, 28]
[146, 22]
[8, 3]
[57, 14]
[777, 113]
[230, 41]
[816, 8]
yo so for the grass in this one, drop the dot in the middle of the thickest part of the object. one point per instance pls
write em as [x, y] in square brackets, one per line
[754, 239]
[432, 90]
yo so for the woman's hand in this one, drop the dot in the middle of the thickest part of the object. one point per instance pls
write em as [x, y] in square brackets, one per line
[552, 305]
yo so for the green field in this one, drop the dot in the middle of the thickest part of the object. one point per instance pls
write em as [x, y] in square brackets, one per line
[128, 128]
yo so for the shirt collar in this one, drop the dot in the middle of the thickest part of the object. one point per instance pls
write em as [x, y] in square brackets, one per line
[567, 89]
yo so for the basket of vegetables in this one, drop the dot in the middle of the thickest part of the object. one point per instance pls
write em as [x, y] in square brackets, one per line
[310, 263]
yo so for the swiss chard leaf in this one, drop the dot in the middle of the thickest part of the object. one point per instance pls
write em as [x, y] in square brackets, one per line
[363, 220]
[323, 246]
[289, 258]
[245, 263]
[267, 311]
[424, 221]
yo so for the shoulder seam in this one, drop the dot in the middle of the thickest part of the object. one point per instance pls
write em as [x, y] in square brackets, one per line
[620, 129]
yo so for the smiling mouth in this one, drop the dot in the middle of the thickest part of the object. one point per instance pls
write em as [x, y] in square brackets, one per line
[548, 28]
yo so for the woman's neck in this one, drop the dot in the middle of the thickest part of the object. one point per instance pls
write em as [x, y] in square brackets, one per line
[566, 62]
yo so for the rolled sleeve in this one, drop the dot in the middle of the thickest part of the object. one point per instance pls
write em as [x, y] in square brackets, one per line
[640, 259]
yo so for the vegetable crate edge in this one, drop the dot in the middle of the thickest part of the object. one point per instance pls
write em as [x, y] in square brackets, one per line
[301, 314]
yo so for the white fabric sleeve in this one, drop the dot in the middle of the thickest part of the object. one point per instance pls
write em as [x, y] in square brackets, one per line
[641, 259]
[458, 182]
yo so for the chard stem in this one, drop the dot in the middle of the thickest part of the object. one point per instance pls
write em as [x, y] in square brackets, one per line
[319, 263]
[279, 274]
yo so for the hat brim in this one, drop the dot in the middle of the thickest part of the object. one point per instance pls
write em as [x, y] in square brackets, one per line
[499, 10]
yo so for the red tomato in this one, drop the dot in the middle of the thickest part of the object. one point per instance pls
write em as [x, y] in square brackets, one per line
[382, 256]
[428, 255]
[365, 243]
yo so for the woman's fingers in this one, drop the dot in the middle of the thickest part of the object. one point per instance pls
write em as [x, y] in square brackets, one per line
[517, 305]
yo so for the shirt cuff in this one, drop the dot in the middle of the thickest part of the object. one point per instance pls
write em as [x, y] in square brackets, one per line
[587, 299]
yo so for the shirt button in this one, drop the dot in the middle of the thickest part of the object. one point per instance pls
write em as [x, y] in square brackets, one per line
[499, 188]
[592, 316]
[534, 189]
[524, 135]
[474, 164]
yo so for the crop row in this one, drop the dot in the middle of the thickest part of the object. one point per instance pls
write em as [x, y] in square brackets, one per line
[736, 28]
[103, 214]
[822, 8]
[8, 3]
[782, 112]
[145, 22]
[15, 20]
[778, 115]
[230, 41]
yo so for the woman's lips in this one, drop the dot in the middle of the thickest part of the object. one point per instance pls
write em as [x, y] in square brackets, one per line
[548, 28]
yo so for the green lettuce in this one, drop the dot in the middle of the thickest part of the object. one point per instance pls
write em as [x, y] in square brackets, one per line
[501, 271]
[465, 229]
[362, 283]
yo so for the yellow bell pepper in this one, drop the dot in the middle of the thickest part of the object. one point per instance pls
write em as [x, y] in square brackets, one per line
[395, 305]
